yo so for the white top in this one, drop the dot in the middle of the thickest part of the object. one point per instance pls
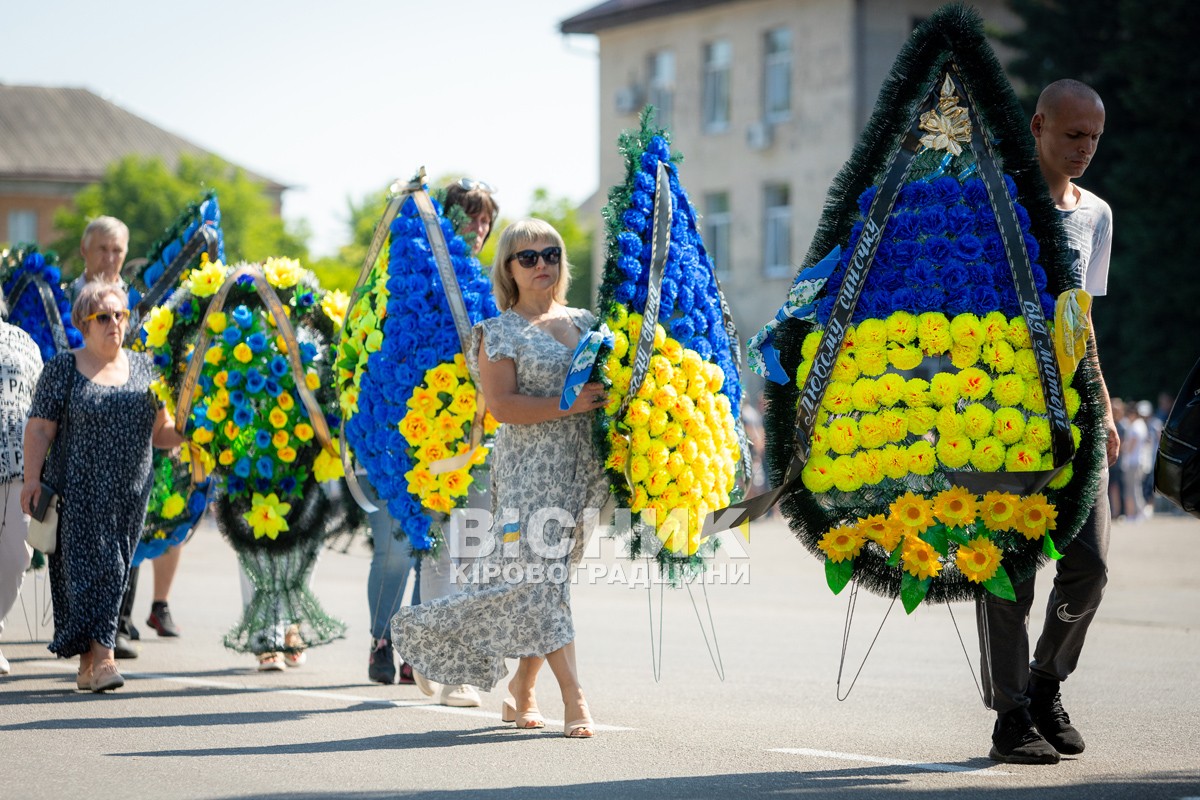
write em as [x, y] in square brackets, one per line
[1089, 236]
[20, 367]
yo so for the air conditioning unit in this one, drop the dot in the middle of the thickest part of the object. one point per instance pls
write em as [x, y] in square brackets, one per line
[758, 135]
[628, 99]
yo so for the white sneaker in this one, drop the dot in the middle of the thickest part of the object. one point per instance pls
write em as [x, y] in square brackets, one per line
[4, 666]
[460, 696]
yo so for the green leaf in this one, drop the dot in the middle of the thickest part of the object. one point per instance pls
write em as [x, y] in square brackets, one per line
[913, 591]
[958, 536]
[938, 538]
[1000, 585]
[894, 558]
[1049, 549]
[838, 573]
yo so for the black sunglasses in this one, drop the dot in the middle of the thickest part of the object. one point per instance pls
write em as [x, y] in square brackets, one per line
[529, 258]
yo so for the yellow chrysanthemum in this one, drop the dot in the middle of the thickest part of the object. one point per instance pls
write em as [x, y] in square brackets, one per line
[1035, 399]
[954, 452]
[921, 420]
[843, 435]
[943, 389]
[889, 387]
[998, 356]
[966, 329]
[995, 326]
[916, 393]
[869, 466]
[845, 474]
[871, 432]
[872, 333]
[808, 347]
[974, 383]
[920, 559]
[839, 398]
[903, 356]
[922, 458]
[998, 510]
[863, 395]
[895, 422]
[1037, 434]
[286, 454]
[871, 360]
[895, 461]
[280, 439]
[988, 454]
[1008, 390]
[963, 356]
[1017, 333]
[1008, 425]
[956, 507]
[1071, 395]
[933, 333]
[1021, 458]
[902, 327]
[978, 421]
[978, 560]
[914, 512]
[818, 474]
[841, 544]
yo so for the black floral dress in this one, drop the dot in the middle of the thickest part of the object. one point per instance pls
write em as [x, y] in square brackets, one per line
[107, 487]
[518, 600]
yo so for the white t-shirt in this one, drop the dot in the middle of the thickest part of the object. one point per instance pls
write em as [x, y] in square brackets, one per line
[20, 367]
[1089, 236]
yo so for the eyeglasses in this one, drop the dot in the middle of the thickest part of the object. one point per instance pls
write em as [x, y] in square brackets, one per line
[470, 184]
[529, 258]
[105, 317]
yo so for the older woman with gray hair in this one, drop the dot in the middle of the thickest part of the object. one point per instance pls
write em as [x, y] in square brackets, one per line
[20, 365]
[95, 407]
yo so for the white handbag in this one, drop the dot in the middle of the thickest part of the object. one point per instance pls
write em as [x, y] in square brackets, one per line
[43, 533]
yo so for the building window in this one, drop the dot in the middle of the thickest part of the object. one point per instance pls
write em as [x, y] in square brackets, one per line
[660, 90]
[777, 75]
[718, 61]
[717, 228]
[22, 227]
[777, 231]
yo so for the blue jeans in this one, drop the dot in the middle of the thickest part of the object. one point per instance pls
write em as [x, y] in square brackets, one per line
[391, 564]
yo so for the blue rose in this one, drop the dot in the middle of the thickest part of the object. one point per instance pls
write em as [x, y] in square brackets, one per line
[308, 351]
[262, 484]
[242, 316]
[234, 485]
[305, 299]
[265, 467]
[233, 379]
[162, 359]
[254, 381]
[243, 416]
[241, 467]
[257, 342]
[272, 387]
[279, 366]
[231, 335]
[288, 485]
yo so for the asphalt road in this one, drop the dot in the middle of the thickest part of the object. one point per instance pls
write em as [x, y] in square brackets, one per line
[198, 721]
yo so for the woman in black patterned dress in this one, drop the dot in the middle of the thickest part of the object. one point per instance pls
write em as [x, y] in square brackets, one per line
[102, 392]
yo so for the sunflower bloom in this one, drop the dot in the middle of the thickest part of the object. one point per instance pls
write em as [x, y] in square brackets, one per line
[998, 510]
[914, 512]
[978, 559]
[920, 559]
[956, 507]
[1035, 517]
[884, 531]
[841, 544]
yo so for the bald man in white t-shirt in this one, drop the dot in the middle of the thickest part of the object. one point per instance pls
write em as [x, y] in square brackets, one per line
[1031, 726]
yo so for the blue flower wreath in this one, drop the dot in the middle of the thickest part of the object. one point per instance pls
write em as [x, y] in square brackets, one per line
[26, 311]
[164, 251]
[418, 334]
[938, 254]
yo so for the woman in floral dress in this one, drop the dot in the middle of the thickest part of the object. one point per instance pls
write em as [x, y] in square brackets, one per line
[548, 486]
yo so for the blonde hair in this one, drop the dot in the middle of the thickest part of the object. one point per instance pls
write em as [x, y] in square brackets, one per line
[518, 236]
[90, 298]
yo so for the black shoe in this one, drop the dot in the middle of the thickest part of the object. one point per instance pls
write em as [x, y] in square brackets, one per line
[160, 619]
[382, 667]
[125, 648]
[1045, 707]
[1015, 740]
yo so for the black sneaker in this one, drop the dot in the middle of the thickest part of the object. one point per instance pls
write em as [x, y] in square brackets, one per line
[1045, 707]
[124, 647]
[1015, 740]
[406, 675]
[160, 619]
[382, 667]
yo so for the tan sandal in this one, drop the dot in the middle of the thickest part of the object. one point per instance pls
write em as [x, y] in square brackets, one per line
[525, 720]
[271, 662]
[83, 678]
[106, 676]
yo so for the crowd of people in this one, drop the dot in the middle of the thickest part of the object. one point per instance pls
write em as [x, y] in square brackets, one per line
[86, 421]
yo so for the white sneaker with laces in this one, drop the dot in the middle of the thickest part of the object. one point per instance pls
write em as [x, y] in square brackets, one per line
[460, 696]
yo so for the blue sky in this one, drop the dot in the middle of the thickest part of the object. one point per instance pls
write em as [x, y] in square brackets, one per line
[338, 99]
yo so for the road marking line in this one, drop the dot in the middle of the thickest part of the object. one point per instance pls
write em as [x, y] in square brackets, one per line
[894, 762]
[314, 694]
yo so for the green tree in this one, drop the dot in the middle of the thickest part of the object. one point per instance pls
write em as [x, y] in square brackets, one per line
[1140, 57]
[147, 197]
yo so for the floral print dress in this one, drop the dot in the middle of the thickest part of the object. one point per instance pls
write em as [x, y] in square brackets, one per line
[518, 600]
[107, 487]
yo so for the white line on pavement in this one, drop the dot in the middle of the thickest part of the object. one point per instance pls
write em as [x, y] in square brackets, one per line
[894, 762]
[316, 695]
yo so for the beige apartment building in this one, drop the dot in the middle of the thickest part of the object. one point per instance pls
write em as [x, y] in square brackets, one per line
[765, 99]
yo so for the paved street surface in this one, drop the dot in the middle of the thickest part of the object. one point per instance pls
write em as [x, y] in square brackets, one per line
[197, 721]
